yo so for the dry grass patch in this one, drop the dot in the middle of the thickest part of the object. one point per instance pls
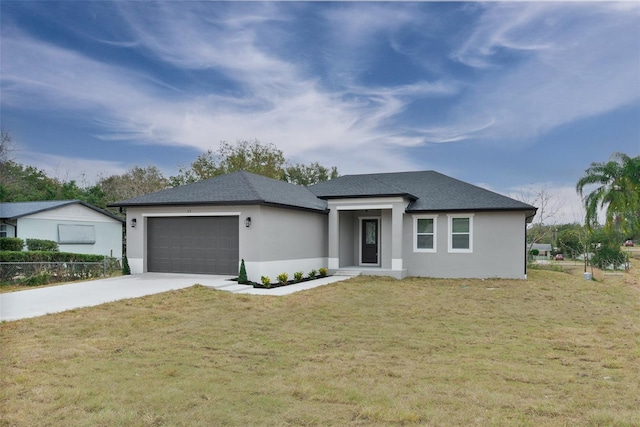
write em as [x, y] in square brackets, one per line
[553, 350]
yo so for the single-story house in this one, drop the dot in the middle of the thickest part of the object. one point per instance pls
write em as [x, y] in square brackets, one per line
[544, 249]
[395, 224]
[76, 226]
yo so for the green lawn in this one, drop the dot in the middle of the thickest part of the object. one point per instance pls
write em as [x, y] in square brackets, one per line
[555, 350]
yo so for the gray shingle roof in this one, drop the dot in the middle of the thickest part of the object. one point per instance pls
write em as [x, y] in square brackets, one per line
[428, 191]
[541, 246]
[15, 210]
[236, 188]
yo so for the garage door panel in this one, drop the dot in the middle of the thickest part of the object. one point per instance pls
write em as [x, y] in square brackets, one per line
[207, 245]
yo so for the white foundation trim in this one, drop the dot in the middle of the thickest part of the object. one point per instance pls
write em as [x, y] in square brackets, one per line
[271, 269]
[396, 264]
[334, 263]
[136, 265]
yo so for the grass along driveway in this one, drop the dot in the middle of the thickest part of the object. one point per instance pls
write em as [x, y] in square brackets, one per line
[553, 350]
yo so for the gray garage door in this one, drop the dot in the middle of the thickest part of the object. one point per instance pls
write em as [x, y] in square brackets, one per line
[205, 245]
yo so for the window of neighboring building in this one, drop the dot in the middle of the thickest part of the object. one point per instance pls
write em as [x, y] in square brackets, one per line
[424, 236]
[3, 230]
[76, 234]
[460, 233]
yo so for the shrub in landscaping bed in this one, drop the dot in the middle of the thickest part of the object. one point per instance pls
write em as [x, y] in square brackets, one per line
[42, 245]
[46, 256]
[11, 244]
[39, 267]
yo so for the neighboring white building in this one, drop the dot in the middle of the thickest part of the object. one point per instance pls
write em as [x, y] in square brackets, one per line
[76, 226]
[394, 224]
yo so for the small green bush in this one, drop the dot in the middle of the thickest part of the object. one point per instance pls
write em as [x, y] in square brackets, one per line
[283, 278]
[242, 275]
[534, 252]
[313, 274]
[266, 282]
[322, 272]
[42, 245]
[126, 270]
[38, 279]
[297, 276]
[11, 244]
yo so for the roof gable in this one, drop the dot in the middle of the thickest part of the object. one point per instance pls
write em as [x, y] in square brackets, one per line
[234, 188]
[14, 210]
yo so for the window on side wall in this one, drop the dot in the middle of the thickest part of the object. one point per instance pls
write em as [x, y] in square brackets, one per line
[424, 233]
[461, 233]
[3, 230]
[76, 234]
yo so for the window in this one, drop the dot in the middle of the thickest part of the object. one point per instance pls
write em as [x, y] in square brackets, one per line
[424, 236]
[3, 230]
[76, 234]
[460, 233]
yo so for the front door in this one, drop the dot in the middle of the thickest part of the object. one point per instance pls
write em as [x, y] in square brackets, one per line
[370, 238]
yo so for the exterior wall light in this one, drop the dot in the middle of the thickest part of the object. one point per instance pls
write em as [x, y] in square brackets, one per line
[247, 222]
[134, 222]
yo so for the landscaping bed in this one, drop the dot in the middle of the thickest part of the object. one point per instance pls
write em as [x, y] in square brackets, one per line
[283, 280]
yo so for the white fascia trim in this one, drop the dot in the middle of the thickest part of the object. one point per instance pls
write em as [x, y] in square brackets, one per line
[362, 207]
[361, 200]
[189, 213]
[354, 204]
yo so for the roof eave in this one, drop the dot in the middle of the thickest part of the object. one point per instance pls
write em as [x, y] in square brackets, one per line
[184, 203]
[227, 203]
[469, 210]
[368, 196]
[67, 203]
[70, 202]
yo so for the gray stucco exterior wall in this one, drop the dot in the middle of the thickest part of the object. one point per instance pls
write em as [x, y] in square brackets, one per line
[289, 234]
[498, 248]
[278, 240]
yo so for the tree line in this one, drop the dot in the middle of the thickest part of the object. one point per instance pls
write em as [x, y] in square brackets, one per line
[23, 183]
[613, 185]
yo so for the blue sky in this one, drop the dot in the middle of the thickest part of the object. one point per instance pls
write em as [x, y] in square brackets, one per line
[511, 96]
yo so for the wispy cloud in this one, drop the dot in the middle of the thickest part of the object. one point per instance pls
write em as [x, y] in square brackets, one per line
[545, 65]
[515, 72]
[272, 99]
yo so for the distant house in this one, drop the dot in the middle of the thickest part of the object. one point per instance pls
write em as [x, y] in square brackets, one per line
[76, 226]
[544, 249]
[393, 224]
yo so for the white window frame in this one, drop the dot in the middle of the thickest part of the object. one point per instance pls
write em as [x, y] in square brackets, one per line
[451, 217]
[415, 233]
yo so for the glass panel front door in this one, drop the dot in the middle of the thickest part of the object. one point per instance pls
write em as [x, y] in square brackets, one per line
[370, 241]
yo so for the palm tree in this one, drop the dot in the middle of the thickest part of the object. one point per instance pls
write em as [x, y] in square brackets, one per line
[618, 188]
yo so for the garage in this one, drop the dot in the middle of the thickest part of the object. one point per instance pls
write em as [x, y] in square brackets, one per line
[201, 245]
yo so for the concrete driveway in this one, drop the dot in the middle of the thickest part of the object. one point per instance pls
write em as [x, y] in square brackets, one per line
[54, 299]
